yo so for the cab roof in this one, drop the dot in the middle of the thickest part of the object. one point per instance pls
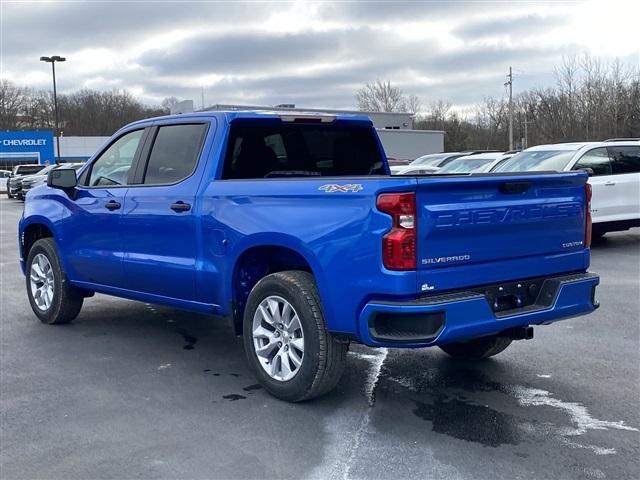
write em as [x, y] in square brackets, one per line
[231, 115]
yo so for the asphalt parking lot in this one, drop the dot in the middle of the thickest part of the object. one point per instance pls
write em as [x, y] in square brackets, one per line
[131, 390]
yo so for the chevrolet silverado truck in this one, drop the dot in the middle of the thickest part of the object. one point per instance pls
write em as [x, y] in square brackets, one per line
[291, 226]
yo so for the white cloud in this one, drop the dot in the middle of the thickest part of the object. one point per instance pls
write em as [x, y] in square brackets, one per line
[312, 53]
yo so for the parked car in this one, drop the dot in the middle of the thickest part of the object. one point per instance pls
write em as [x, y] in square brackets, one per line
[433, 161]
[478, 163]
[17, 186]
[30, 181]
[19, 171]
[308, 248]
[4, 177]
[614, 168]
[437, 159]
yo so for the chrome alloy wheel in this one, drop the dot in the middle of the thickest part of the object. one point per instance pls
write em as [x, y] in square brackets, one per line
[41, 280]
[278, 339]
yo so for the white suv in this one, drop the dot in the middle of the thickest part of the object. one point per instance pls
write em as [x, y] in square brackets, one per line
[614, 170]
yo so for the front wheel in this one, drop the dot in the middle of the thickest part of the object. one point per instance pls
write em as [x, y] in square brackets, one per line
[478, 348]
[52, 299]
[286, 340]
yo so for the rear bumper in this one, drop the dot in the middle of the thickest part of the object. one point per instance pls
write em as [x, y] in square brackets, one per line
[440, 319]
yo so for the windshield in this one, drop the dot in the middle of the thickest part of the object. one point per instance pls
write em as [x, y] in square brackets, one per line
[537, 160]
[46, 170]
[26, 169]
[432, 159]
[465, 165]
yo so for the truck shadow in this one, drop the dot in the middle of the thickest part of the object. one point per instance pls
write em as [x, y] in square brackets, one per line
[617, 240]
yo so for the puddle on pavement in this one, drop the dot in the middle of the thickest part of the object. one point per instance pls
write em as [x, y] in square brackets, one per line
[251, 388]
[465, 421]
[232, 397]
[469, 405]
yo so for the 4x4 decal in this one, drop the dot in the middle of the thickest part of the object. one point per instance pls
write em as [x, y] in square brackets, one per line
[334, 187]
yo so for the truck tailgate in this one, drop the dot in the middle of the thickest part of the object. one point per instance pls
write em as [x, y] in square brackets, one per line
[485, 228]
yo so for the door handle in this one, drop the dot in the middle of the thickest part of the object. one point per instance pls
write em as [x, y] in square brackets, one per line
[112, 205]
[180, 206]
[609, 184]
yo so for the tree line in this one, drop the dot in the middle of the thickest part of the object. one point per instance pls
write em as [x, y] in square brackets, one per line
[82, 113]
[591, 100]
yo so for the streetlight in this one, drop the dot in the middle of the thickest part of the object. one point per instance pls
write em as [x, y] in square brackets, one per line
[52, 60]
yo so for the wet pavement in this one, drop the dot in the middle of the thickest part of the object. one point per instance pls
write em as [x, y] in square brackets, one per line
[135, 390]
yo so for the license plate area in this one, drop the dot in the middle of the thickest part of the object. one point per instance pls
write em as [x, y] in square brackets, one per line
[510, 296]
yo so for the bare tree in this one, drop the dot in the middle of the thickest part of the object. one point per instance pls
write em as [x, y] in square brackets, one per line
[439, 113]
[412, 104]
[168, 102]
[12, 103]
[380, 96]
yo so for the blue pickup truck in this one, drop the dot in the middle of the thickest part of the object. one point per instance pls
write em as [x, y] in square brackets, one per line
[291, 226]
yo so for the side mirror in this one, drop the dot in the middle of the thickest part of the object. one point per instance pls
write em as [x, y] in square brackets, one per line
[62, 178]
[589, 171]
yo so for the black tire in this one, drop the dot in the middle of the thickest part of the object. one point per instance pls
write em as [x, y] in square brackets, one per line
[478, 348]
[67, 300]
[324, 356]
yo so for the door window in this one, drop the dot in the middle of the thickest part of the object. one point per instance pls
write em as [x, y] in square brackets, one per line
[174, 154]
[113, 166]
[625, 159]
[597, 160]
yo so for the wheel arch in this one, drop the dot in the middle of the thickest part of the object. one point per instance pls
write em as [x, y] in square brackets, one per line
[255, 261]
[33, 230]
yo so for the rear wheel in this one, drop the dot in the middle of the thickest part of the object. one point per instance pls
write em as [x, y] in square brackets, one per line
[52, 298]
[286, 341]
[478, 348]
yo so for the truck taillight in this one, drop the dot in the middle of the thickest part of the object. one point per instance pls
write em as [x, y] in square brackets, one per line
[587, 215]
[399, 244]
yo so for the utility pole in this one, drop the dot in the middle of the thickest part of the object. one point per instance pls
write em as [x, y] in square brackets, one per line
[510, 84]
[526, 133]
[202, 96]
[52, 60]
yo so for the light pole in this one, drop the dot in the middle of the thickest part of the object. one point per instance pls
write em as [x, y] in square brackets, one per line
[510, 84]
[52, 60]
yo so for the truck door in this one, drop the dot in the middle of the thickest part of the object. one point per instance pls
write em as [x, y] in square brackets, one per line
[159, 225]
[92, 239]
[626, 176]
[603, 202]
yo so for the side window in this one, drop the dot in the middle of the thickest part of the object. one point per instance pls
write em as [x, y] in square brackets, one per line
[112, 167]
[625, 159]
[174, 153]
[597, 160]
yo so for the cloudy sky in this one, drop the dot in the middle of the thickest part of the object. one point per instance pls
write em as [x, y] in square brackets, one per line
[313, 54]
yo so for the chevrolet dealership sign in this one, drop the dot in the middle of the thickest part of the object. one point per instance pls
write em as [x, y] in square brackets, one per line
[27, 145]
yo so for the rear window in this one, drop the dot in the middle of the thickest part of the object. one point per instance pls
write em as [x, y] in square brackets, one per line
[267, 149]
[541, 160]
